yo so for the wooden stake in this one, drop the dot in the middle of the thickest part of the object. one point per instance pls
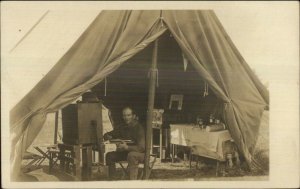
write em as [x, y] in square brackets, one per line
[151, 97]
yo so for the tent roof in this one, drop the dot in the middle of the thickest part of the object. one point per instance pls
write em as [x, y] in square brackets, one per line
[42, 47]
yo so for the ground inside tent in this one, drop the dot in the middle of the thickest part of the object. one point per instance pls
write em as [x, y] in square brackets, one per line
[168, 171]
[162, 171]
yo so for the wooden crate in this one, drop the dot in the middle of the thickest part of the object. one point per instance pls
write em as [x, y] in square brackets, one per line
[81, 123]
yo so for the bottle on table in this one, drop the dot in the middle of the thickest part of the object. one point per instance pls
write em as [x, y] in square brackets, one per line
[211, 119]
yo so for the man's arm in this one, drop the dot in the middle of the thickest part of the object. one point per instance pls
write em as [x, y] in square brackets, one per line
[140, 143]
[112, 134]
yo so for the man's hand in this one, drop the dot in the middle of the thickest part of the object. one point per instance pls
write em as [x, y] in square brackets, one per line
[122, 146]
[107, 137]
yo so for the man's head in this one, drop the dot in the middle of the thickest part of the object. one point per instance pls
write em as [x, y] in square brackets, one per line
[128, 115]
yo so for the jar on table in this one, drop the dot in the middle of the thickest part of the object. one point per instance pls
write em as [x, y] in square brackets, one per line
[211, 119]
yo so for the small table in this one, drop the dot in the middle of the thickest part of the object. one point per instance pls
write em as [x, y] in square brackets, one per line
[201, 143]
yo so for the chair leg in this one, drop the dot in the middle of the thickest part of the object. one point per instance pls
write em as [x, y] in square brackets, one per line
[124, 171]
[50, 163]
[141, 176]
[55, 163]
[151, 167]
[190, 159]
[41, 161]
[217, 168]
[31, 162]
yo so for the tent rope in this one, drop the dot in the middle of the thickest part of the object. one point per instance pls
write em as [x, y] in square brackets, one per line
[32, 28]
[205, 89]
[156, 71]
[105, 85]
[161, 19]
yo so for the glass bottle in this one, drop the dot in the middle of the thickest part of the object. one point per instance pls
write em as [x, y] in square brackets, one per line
[211, 119]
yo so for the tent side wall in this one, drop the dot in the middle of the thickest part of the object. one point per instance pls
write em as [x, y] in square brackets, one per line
[258, 84]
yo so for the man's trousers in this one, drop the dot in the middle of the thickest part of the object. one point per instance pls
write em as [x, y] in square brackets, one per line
[133, 159]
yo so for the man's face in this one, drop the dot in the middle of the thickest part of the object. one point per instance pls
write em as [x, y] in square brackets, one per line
[127, 115]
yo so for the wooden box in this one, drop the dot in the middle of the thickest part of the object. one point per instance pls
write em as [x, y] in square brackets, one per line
[82, 123]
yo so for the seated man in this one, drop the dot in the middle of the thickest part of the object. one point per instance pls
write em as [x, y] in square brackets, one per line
[134, 154]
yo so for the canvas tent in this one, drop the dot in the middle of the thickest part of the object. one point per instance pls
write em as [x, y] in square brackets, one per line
[116, 36]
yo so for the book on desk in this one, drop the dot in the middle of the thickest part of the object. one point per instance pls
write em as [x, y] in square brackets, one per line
[117, 141]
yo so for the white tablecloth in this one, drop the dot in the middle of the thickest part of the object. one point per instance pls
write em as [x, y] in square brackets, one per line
[203, 143]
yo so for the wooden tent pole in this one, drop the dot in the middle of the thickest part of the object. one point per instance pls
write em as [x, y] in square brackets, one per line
[151, 97]
[56, 127]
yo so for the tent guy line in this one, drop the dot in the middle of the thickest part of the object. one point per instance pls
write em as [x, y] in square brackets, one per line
[32, 28]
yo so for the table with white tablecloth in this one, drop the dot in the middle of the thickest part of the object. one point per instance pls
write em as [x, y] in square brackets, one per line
[201, 142]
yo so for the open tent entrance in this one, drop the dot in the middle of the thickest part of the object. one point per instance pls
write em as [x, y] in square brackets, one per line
[129, 85]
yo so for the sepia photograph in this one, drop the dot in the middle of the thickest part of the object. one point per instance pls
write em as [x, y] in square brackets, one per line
[97, 95]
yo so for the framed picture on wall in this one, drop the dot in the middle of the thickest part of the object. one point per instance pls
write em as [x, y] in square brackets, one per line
[176, 101]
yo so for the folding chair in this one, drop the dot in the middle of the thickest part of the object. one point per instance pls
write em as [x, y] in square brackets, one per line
[51, 153]
[35, 160]
[125, 170]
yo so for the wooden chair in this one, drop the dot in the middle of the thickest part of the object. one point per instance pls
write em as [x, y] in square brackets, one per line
[125, 170]
[51, 152]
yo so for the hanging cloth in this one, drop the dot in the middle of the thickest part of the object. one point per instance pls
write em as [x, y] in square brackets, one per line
[205, 90]
[185, 62]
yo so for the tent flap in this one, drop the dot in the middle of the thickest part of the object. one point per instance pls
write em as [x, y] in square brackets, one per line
[105, 45]
[207, 46]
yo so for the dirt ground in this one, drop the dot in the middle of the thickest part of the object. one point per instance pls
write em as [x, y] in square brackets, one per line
[179, 170]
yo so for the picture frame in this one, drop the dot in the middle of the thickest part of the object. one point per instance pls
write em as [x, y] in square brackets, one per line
[176, 102]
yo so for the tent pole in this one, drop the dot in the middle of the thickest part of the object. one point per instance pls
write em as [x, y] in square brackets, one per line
[56, 127]
[151, 97]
